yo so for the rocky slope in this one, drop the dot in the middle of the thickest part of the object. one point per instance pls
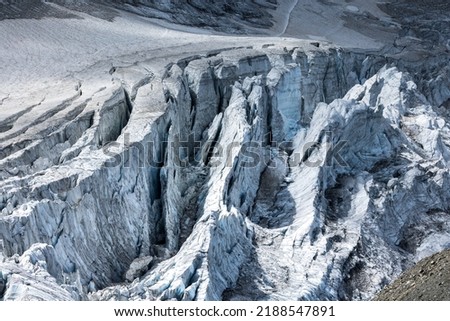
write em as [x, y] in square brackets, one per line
[278, 170]
[223, 16]
[427, 281]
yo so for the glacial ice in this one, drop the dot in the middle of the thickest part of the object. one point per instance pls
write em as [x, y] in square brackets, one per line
[350, 187]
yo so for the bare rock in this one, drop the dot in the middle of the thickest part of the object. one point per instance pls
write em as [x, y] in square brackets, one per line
[138, 268]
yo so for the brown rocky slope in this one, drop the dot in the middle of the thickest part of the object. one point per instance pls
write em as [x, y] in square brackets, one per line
[428, 280]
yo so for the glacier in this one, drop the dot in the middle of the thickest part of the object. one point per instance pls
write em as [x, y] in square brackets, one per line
[284, 169]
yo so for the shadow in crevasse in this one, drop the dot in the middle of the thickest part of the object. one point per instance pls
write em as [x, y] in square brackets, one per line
[274, 206]
[249, 283]
[1, 250]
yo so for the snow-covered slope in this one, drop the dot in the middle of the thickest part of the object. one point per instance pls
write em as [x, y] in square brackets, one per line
[186, 165]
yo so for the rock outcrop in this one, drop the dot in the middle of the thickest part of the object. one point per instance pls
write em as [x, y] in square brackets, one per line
[428, 280]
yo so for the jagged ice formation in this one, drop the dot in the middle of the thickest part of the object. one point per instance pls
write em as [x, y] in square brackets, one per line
[255, 173]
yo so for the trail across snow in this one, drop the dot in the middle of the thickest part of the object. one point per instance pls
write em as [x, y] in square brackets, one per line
[289, 7]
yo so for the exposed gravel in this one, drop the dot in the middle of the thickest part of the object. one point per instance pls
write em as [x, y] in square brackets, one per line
[428, 280]
[424, 25]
